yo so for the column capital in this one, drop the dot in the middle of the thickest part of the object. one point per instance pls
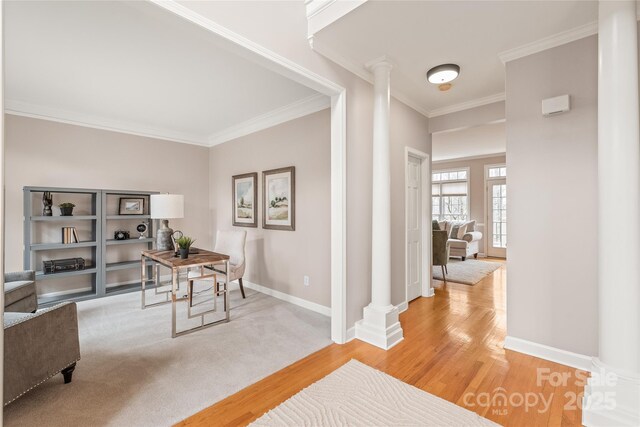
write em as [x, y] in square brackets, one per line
[382, 62]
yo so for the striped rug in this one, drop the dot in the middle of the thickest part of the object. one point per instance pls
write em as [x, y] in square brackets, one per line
[358, 395]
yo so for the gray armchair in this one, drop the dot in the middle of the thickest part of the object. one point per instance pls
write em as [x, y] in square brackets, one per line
[38, 346]
[440, 250]
[20, 292]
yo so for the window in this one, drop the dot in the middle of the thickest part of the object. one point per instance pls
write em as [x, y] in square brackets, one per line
[496, 178]
[450, 195]
[497, 172]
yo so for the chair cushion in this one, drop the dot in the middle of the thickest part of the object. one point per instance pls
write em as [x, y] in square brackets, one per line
[15, 291]
[11, 317]
[457, 244]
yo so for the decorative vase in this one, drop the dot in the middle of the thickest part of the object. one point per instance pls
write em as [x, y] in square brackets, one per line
[184, 253]
[66, 211]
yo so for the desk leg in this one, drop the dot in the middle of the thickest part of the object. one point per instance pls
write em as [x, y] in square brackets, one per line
[174, 289]
[143, 278]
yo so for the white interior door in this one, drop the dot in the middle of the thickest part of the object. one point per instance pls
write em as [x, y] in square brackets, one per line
[497, 221]
[414, 228]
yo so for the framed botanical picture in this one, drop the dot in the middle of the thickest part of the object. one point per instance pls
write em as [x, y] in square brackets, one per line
[131, 206]
[279, 199]
[245, 200]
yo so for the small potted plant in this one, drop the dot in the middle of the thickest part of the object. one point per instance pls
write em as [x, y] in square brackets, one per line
[66, 209]
[184, 243]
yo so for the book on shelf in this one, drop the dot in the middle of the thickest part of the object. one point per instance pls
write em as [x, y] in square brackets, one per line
[69, 235]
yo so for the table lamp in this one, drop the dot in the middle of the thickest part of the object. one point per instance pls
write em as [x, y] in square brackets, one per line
[165, 207]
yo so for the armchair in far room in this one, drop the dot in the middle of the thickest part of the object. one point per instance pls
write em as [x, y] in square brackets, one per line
[20, 292]
[440, 250]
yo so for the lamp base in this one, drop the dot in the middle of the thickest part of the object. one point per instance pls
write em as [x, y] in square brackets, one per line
[164, 241]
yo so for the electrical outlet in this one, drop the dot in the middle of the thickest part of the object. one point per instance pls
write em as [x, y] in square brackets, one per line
[306, 280]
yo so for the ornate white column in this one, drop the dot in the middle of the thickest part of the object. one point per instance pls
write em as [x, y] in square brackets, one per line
[612, 396]
[380, 325]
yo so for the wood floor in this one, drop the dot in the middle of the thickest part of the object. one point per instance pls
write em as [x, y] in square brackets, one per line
[452, 349]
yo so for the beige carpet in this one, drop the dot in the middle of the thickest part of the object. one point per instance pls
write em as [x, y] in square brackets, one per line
[357, 395]
[467, 272]
[132, 372]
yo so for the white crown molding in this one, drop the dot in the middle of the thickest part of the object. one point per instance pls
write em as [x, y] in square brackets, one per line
[362, 72]
[275, 117]
[322, 13]
[555, 40]
[467, 105]
[463, 159]
[19, 108]
[564, 357]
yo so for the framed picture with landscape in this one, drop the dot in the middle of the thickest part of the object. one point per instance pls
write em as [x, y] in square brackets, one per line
[131, 206]
[278, 199]
[245, 200]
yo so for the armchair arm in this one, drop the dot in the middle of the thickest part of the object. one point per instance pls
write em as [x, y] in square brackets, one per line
[39, 346]
[472, 236]
[28, 275]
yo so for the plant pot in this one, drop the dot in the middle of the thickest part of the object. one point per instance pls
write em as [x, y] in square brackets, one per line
[66, 211]
[184, 253]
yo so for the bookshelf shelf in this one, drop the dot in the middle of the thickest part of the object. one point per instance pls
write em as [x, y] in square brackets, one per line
[137, 217]
[42, 276]
[50, 246]
[64, 218]
[129, 241]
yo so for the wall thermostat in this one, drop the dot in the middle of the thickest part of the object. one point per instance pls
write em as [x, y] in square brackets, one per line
[557, 105]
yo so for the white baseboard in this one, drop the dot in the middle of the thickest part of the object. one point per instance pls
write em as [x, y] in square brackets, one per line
[351, 334]
[403, 306]
[564, 357]
[611, 397]
[326, 311]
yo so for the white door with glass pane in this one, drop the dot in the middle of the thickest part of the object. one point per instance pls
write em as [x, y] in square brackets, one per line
[497, 218]
[414, 228]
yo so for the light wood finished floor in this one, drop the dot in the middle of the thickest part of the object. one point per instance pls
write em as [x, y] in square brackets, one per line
[452, 349]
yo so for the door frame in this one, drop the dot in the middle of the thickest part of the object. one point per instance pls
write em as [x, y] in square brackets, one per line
[425, 172]
[487, 210]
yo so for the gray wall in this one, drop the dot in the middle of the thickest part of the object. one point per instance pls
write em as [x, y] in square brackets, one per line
[280, 259]
[552, 168]
[46, 153]
[476, 187]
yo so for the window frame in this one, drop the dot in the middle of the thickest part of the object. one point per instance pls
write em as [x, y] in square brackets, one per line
[467, 194]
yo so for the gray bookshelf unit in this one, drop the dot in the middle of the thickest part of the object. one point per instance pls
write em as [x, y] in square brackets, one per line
[113, 266]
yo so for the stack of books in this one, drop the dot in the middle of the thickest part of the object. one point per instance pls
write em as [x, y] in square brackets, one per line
[69, 235]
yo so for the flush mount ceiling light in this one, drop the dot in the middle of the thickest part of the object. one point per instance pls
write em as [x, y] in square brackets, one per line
[443, 73]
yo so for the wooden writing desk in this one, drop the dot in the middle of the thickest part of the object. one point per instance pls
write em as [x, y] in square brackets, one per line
[175, 264]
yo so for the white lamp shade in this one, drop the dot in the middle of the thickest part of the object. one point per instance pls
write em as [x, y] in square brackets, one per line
[166, 206]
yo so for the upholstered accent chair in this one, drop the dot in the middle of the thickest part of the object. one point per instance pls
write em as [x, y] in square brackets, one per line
[440, 250]
[20, 292]
[232, 243]
[38, 346]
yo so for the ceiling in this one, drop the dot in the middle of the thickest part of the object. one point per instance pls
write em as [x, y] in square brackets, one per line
[478, 141]
[134, 67]
[418, 35]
